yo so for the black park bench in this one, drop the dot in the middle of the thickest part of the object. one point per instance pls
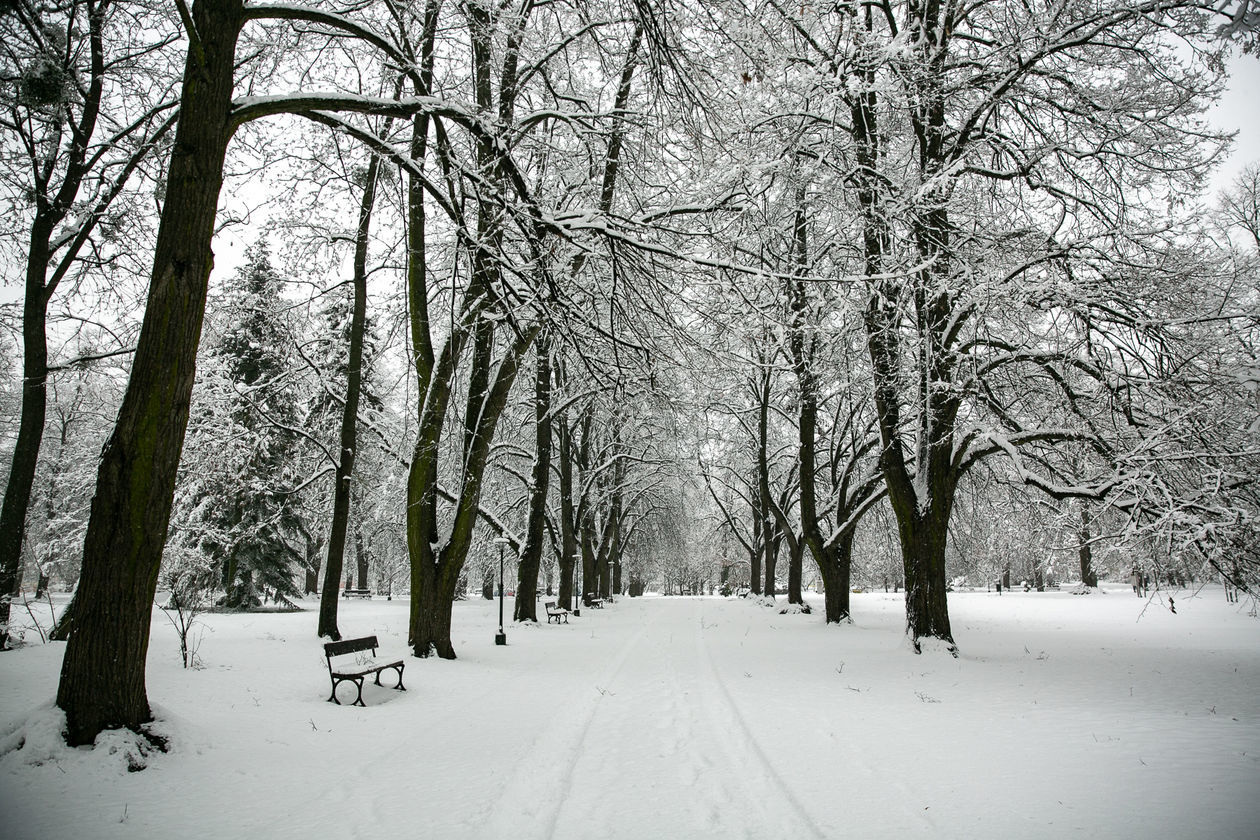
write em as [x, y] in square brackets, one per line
[358, 670]
[556, 612]
[357, 593]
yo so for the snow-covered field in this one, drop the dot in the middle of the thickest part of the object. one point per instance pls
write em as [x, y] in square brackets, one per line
[1066, 716]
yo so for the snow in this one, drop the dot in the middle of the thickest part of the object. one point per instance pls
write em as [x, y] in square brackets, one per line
[676, 717]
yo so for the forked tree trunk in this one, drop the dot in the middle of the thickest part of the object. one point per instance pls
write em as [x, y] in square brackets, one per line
[103, 673]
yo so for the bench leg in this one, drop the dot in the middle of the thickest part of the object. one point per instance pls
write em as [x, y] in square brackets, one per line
[398, 669]
[358, 682]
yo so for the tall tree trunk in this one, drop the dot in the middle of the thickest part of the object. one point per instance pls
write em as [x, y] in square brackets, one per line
[586, 509]
[568, 531]
[103, 673]
[526, 605]
[755, 552]
[17, 493]
[770, 537]
[921, 490]
[328, 601]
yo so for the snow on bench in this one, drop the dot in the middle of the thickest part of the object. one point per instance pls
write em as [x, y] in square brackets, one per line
[556, 612]
[357, 669]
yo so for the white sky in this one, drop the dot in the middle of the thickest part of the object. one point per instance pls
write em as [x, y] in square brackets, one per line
[1239, 109]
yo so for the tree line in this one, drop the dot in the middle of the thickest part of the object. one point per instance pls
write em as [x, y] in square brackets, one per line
[784, 280]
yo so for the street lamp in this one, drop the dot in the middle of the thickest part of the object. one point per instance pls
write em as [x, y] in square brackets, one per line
[577, 574]
[500, 638]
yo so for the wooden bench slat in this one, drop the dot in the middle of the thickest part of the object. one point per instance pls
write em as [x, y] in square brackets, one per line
[345, 646]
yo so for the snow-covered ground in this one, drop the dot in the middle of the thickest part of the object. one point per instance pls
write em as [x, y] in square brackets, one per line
[1066, 716]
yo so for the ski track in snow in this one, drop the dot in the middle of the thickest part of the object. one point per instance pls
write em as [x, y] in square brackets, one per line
[522, 811]
[656, 729]
[764, 784]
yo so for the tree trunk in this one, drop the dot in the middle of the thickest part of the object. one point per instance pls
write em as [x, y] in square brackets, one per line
[568, 535]
[435, 575]
[923, 542]
[526, 605]
[103, 673]
[361, 559]
[603, 579]
[795, 559]
[17, 493]
[327, 627]
[771, 563]
[754, 555]
[836, 571]
[589, 575]
[1088, 576]
[586, 511]
[313, 550]
[432, 597]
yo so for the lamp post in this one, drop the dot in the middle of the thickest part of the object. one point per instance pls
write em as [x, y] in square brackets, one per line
[500, 638]
[577, 575]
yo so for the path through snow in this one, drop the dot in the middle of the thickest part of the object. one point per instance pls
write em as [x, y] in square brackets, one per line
[660, 732]
[678, 718]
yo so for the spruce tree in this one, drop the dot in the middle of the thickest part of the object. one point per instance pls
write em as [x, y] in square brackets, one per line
[235, 503]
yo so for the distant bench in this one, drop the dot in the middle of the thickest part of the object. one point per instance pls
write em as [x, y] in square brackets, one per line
[556, 612]
[356, 593]
[597, 603]
[358, 670]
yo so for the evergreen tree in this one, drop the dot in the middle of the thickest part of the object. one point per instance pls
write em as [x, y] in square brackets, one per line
[234, 502]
